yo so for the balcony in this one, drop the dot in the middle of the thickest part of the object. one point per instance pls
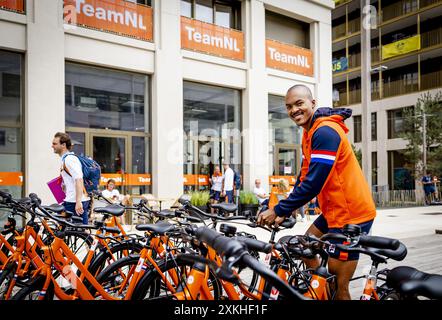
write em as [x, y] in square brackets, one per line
[398, 9]
[338, 31]
[431, 80]
[354, 26]
[354, 96]
[354, 60]
[375, 55]
[342, 100]
[399, 87]
[426, 3]
[431, 38]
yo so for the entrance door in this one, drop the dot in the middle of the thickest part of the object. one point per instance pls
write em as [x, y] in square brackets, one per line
[110, 152]
[286, 161]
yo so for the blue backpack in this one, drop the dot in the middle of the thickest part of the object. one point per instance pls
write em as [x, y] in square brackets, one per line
[91, 172]
[237, 180]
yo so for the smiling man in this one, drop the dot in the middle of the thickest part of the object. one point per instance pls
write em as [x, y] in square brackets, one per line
[330, 171]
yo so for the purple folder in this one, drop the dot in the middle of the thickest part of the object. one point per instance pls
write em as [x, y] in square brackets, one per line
[55, 187]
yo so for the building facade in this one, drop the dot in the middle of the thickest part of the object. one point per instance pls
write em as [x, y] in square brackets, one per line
[406, 61]
[158, 92]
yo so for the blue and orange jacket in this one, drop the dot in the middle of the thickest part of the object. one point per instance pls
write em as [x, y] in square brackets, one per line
[331, 172]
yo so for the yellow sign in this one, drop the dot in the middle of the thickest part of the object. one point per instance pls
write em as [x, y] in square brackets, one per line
[401, 47]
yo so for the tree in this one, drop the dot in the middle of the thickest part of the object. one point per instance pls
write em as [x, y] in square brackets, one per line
[428, 109]
[358, 154]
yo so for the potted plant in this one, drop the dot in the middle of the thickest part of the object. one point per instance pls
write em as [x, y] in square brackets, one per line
[248, 202]
[200, 199]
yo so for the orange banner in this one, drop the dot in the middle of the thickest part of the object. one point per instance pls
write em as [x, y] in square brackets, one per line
[289, 58]
[127, 179]
[14, 5]
[11, 179]
[275, 179]
[117, 16]
[212, 39]
[196, 180]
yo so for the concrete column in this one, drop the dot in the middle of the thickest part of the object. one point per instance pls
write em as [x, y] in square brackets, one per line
[44, 93]
[255, 102]
[320, 40]
[167, 102]
[382, 138]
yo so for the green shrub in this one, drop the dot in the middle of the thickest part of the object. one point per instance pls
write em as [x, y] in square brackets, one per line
[247, 197]
[199, 198]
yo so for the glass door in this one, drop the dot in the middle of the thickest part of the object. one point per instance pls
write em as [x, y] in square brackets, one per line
[286, 163]
[110, 152]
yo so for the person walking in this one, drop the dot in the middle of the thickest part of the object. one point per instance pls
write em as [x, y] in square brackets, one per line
[228, 183]
[217, 185]
[76, 201]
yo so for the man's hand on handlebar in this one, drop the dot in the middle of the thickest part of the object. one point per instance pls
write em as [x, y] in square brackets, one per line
[269, 218]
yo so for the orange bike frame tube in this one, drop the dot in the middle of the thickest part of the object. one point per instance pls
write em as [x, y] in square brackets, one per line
[318, 288]
[196, 284]
[60, 251]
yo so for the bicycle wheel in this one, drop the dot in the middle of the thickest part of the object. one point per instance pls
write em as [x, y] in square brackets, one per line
[6, 276]
[116, 277]
[151, 285]
[33, 290]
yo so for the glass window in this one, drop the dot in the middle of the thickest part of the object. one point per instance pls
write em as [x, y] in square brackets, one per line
[186, 8]
[223, 16]
[374, 127]
[11, 131]
[357, 129]
[105, 99]
[374, 169]
[400, 177]
[395, 123]
[212, 125]
[288, 30]
[204, 10]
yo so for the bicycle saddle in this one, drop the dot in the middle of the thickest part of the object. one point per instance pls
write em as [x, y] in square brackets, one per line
[57, 208]
[410, 281]
[159, 228]
[399, 254]
[113, 209]
[227, 207]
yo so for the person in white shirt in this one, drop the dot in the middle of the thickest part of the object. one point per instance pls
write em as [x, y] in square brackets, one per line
[260, 192]
[113, 195]
[228, 183]
[217, 185]
[76, 200]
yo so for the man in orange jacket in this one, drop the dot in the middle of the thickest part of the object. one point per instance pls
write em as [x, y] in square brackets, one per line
[331, 172]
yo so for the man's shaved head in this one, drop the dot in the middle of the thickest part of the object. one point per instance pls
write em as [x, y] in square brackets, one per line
[300, 88]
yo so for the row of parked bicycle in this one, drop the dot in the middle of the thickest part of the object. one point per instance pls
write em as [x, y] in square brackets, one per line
[183, 254]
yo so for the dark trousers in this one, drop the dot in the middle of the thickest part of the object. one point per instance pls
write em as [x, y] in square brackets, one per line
[70, 206]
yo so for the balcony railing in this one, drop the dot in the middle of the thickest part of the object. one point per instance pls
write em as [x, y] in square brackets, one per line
[354, 25]
[354, 96]
[398, 9]
[338, 31]
[431, 80]
[431, 38]
[342, 100]
[398, 87]
[354, 60]
[375, 55]
[426, 3]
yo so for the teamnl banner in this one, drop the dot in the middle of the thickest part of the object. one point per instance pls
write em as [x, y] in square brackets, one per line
[116, 16]
[289, 58]
[212, 39]
[401, 47]
[14, 5]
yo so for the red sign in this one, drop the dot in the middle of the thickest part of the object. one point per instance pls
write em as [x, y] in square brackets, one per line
[11, 179]
[14, 5]
[117, 16]
[289, 58]
[212, 39]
